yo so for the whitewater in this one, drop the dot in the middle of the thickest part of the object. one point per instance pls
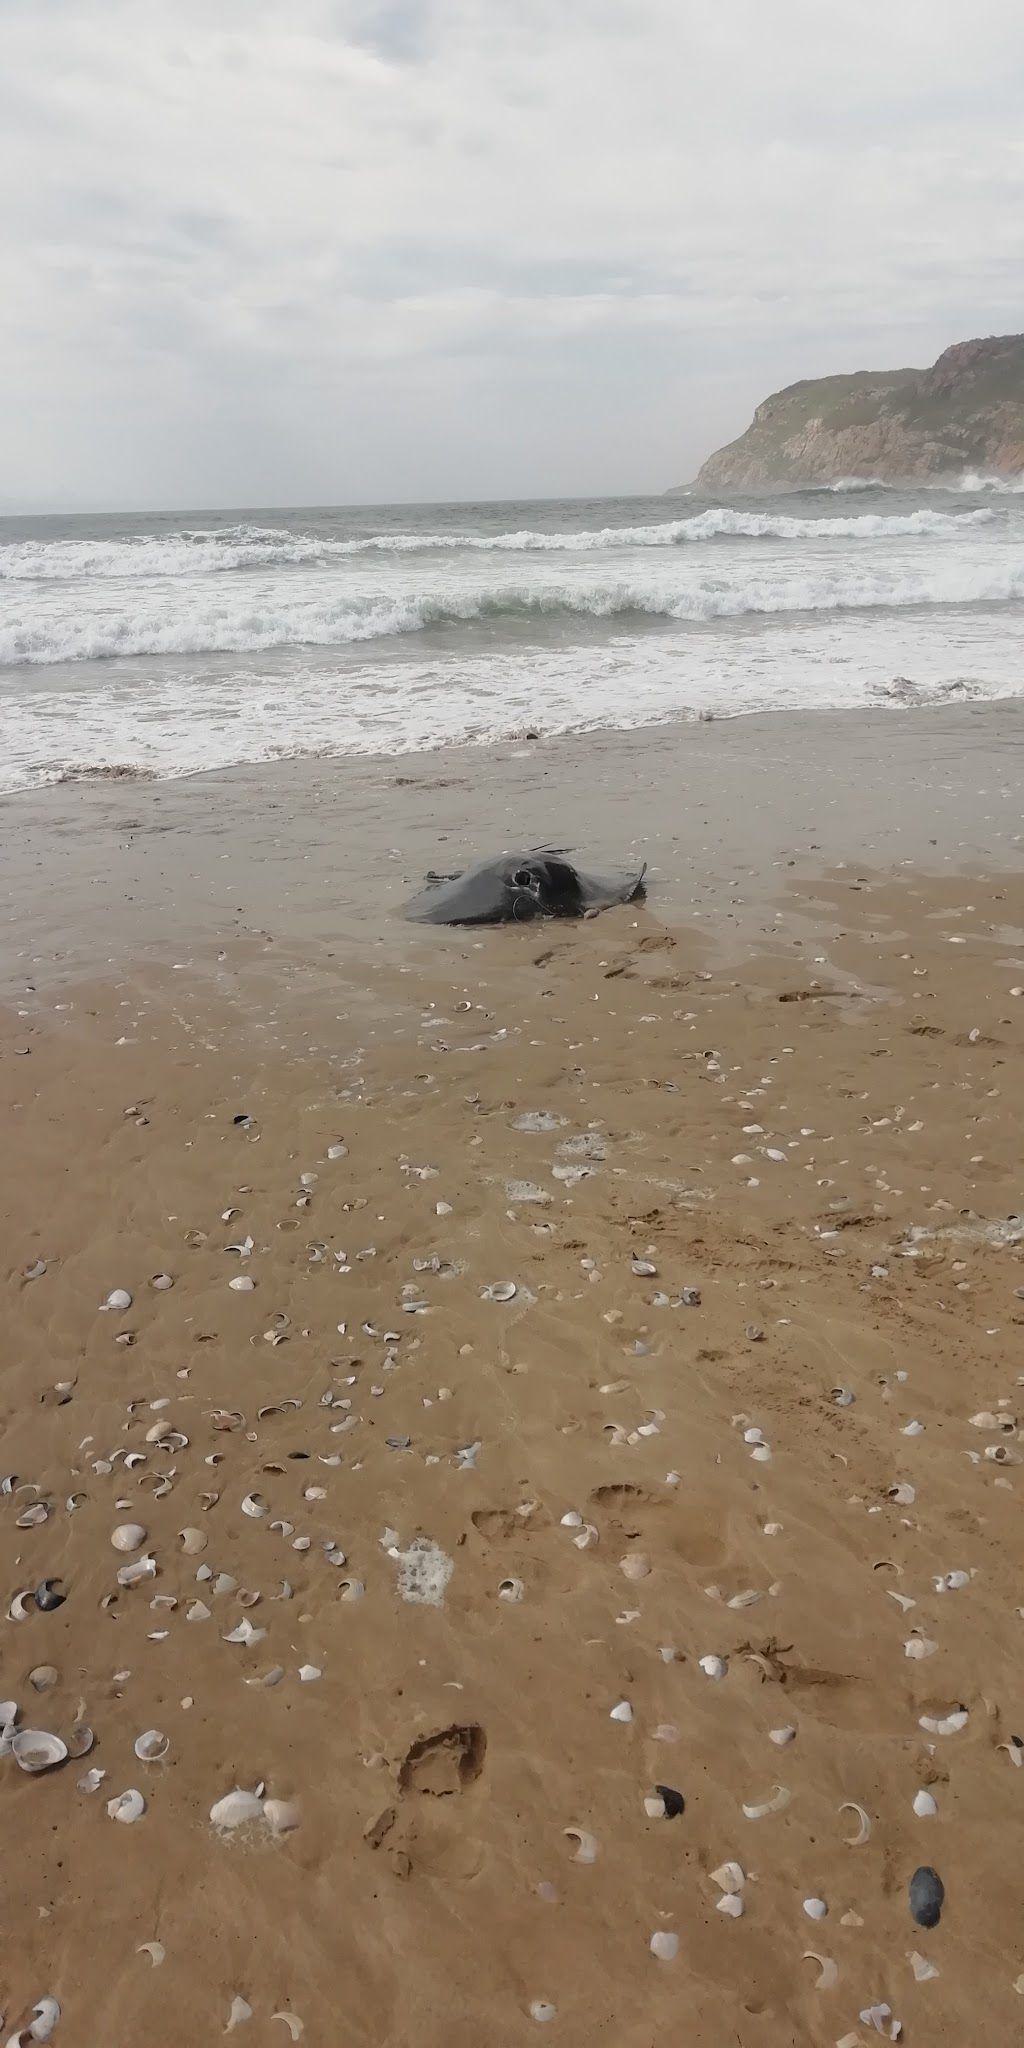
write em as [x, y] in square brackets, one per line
[167, 644]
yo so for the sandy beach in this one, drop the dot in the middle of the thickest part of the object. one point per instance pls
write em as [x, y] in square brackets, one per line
[566, 1419]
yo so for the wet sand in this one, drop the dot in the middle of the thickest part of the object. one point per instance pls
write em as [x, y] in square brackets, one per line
[795, 1092]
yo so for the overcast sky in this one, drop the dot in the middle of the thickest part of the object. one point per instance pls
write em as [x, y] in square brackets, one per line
[330, 251]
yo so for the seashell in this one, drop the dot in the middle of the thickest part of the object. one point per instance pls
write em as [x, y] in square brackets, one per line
[921, 1967]
[295, 2026]
[635, 1567]
[1014, 1748]
[197, 1610]
[815, 1909]
[511, 1589]
[644, 1269]
[127, 1807]
[781, 1736]
[925, 1805]
[586, 1844]
[828, 1971]
[281, 1815]
[18, 1611]
[351, 1589]
[245, 1633]
[133, 1574]
[308, 1673]
[664, 1945]
[45, 2015]
[919, 1647]
[864, 1828]
[33, 1517]
[775, 1803]
[36, 1751]
[236, 1810]
[587, 1537]
[254, 1506]
[241, 2011]
[155, 1950]
[926, 1894]
[80, 1740]
[904, 1495]
[729, 1877]
[43, 1677]
[500, 1290]
[623, 1712]
[128, 1536]
[542, 2010]
[732, 1904]
[161, 1282]
[664, 1803]
[152, 1747]
[246, 1597]
[192, 1541]
[945, 1724]
[117, 1301]
[242, 1284]
[714, 1667]
[92, 1781]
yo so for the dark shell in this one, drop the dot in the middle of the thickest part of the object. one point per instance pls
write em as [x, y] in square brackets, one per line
[674, 1802]
[927, 1893]
[518, 887]
[48, 1596]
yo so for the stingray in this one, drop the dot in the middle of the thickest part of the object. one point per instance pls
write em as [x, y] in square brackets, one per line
[520, 886]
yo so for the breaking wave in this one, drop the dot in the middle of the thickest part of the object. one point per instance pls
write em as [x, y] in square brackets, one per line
[240, 547]
[236, 619]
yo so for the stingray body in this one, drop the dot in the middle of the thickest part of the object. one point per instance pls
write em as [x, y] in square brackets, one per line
[519, 886]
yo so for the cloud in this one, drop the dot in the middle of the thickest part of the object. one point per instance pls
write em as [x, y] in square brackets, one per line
[363, 249]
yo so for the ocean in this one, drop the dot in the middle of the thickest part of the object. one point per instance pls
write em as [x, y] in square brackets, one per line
[166, 644]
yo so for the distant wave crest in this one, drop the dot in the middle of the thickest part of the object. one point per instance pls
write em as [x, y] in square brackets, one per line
[215, 550]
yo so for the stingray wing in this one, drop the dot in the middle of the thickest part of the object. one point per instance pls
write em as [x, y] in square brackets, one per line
[480, 896]
[600, 891]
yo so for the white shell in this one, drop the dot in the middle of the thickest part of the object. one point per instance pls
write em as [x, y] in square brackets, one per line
[35, 1750]
[128, 1536]
[241, 2011]
[91, 1781]
[501, 1290]
[281, 1815]
[127, 1807]
[45, 2015]
[161, 1281]
[242, 1284]
[732, 1904]
[945, 1724]
[295, 2026]
[713, 1667]
[117, 1300]
[511, 1589]
[864, 1827]
[665, 1946]
[781, 1736]
[828, 1970]
[245, 1633]
[635, 1567]
[622, 1712]
[776, 1801]
[254, 1505]
[921, 1967]
[155, 1950]
[925, 1805]
[729, 1877]
[541, 2009]
[815, 1909]
[586, 1844]
[133, 1574]
[192, 1541]
[236, 1810]
[309, 1672]
[152, 1747]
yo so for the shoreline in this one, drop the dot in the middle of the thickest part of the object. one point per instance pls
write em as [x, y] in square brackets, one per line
[728, 814]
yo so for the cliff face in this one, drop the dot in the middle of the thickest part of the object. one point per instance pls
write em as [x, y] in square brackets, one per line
[965, 413]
